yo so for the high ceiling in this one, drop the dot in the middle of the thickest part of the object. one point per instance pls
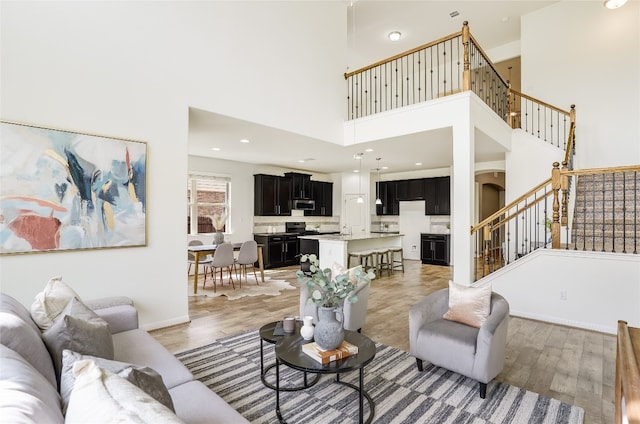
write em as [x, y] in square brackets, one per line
[492, 23]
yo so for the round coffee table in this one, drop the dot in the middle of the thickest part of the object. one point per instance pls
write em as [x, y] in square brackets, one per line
[266, 335]
[289, 352]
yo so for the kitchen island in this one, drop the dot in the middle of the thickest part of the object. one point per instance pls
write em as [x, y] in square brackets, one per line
[335, 248]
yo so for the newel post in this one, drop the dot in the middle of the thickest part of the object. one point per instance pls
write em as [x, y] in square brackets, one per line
[564, 185]
[555, 186]
[466, 73]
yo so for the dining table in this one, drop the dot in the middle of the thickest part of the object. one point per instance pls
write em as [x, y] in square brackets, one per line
[209, 249]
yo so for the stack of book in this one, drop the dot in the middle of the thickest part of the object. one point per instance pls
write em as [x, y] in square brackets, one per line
[345, 350]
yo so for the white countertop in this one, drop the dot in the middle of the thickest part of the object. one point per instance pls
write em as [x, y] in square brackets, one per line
[346, 237]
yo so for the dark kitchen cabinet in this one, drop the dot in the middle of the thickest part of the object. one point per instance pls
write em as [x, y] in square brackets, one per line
[387, 193]
[438, 196]
[322, 194]
[434, 249]
[410, 189]
[300, 185]
[278, 250]
[272, 195]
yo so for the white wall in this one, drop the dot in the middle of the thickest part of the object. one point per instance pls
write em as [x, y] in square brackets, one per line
[579, 52]
[529, 163]
[581, 289]
[131, 70]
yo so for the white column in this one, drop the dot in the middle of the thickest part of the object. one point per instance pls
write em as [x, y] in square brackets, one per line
[462, 207]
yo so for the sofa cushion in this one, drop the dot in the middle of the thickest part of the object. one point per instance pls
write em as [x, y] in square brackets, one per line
[145, 378]
[139, 347]
[12, 306]
[25, 395]
[50, 302]
[19, 335]
[469, 305]
[79, 329]
[196, 404]
[100, 396]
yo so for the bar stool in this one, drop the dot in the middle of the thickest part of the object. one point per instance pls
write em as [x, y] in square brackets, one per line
[396, 263]
[363, 257]
[382, 261]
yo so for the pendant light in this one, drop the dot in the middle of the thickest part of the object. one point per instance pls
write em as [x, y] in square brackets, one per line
[360, 198]
[378, 200]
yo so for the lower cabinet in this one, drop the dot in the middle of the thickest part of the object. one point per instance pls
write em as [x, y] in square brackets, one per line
[278, 250]
[434, 249]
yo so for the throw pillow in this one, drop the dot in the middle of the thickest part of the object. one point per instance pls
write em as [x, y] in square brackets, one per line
[100, 396]
[469, 305]
[49, 303]
[338, 269]
[81, 330]
[145, 378]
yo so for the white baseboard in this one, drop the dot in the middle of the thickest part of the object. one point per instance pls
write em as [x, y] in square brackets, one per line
[570, 323]
[167, 323]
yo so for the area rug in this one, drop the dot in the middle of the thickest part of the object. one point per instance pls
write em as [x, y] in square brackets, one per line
[270, 287]
[231, 368]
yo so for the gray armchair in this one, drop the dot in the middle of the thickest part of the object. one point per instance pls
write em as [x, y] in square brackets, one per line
[477, 353]
[355, 314]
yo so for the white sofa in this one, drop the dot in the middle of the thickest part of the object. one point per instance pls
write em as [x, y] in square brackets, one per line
[28, 385]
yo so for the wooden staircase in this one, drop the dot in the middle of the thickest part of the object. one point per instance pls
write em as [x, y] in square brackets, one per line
[606, 213]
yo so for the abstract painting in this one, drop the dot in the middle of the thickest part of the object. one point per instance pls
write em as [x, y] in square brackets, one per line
[62, 190]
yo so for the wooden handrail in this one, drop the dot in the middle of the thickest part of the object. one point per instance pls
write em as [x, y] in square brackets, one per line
[628, 168]
[503, 210]
[627, 382]
[486, 57]
[533, 99]
[567, 152]
[403, 54]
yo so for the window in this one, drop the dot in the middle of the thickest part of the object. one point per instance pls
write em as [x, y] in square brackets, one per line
[208, 199]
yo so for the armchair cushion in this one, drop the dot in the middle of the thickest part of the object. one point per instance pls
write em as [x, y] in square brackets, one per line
[469, 305]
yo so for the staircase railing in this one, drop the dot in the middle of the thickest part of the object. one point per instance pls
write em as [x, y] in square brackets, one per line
[607, 209]
[535, 219]
[542, 120]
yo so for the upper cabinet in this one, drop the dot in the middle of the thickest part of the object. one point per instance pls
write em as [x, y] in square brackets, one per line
[387, 192]
[434, 191]
[410, 189]
[272, 195]
[438, 196]
[322, 194]
[300, 185]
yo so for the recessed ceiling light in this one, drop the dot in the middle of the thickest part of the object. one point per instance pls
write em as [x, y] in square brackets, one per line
[385, 167]
[300, 160]
[368, 150]
[217, 149]
[614, 4]
[418, 163]
[356, 171]
[394, 35]
[244, 140]
[505, 19]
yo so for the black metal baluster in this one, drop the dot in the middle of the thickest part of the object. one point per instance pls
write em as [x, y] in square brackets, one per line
[635, 212]
[624, 212]
[613, 212]
[603, 213]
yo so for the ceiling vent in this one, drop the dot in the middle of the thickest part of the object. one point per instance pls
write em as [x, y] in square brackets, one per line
[454, 14]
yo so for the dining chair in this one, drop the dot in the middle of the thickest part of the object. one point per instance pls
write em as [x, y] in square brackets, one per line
[248, 255]
[191, 259]
[223, 258]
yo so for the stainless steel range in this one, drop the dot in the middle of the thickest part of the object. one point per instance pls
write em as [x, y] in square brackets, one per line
[298, 227]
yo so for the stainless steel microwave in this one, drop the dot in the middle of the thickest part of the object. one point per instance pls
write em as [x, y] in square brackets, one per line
[304, 204]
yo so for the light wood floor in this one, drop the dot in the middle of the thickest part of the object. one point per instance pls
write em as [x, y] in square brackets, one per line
[573, 365]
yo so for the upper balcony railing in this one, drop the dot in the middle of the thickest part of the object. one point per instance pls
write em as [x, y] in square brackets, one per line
[448, 66]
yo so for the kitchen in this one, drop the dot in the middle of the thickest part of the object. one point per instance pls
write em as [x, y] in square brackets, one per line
[408, 209]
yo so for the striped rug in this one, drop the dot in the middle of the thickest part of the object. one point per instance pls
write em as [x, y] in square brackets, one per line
[231, 368]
